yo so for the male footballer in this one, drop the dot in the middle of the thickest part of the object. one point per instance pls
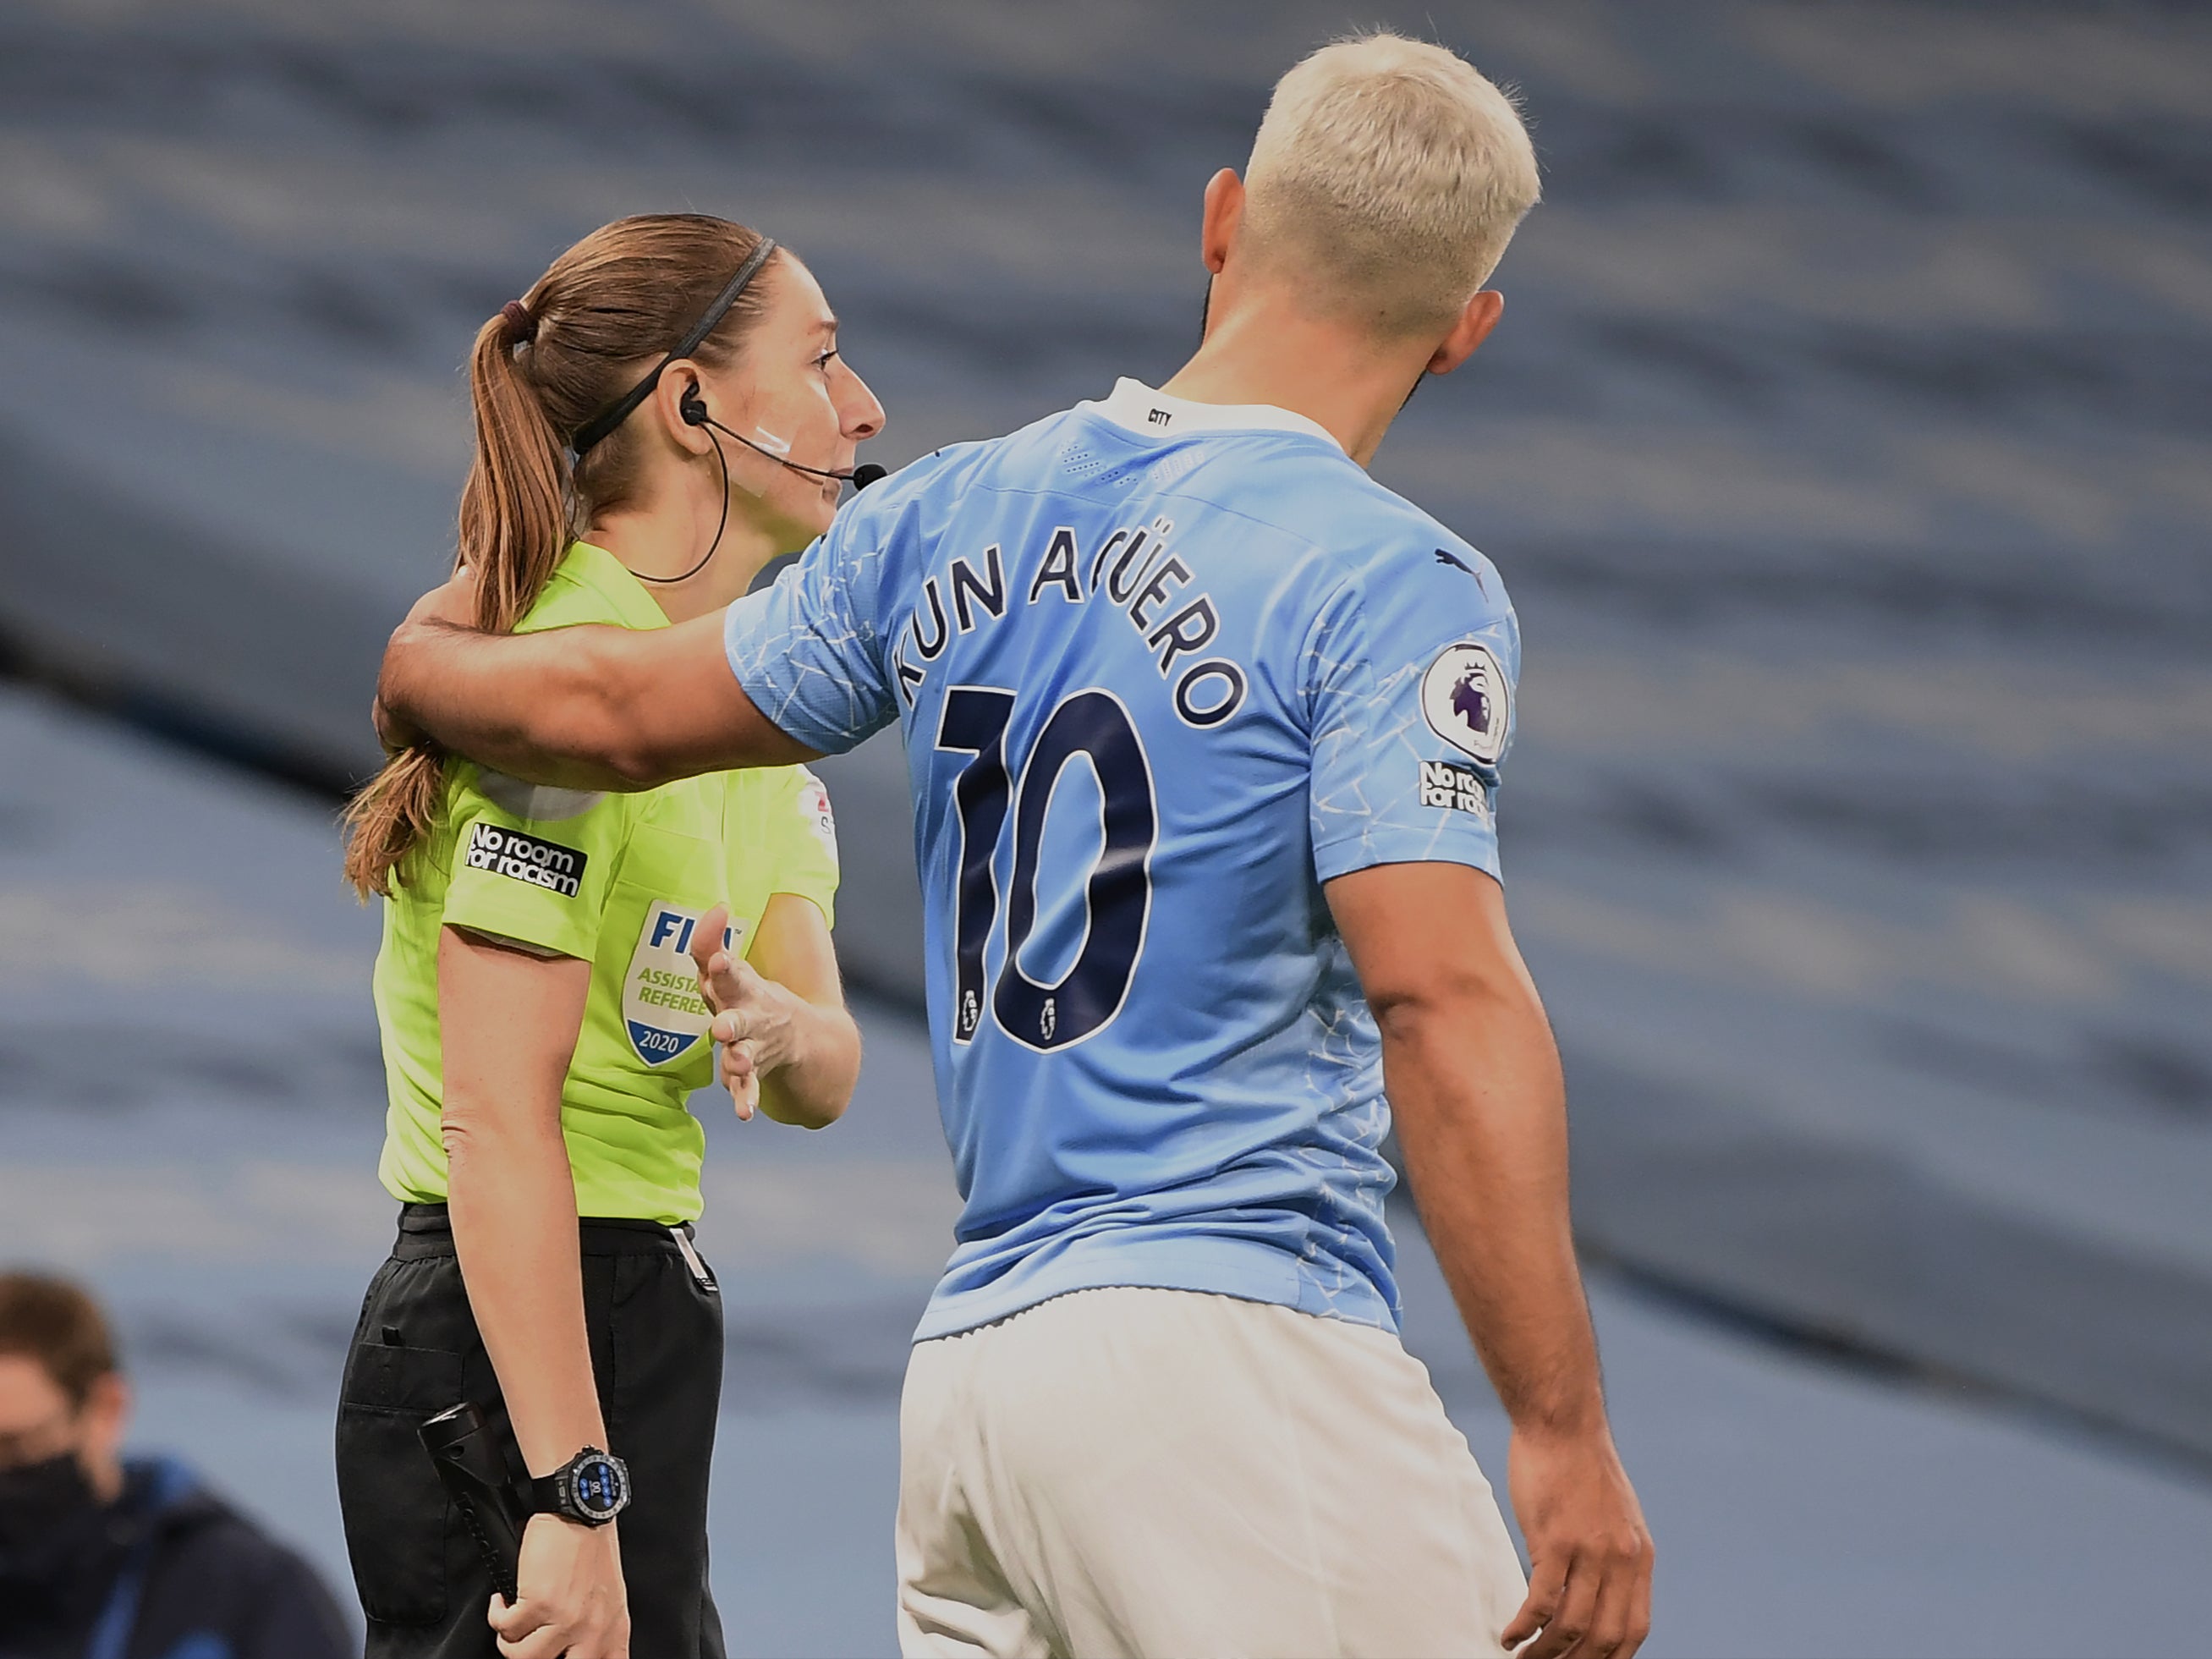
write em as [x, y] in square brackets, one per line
[1204, 728]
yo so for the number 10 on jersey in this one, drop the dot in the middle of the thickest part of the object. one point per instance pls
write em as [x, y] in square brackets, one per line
[1119, 888]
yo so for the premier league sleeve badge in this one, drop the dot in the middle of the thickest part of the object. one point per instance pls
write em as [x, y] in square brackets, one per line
[1467, 701]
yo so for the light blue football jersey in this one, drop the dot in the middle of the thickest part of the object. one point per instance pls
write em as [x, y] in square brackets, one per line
[1162, 669]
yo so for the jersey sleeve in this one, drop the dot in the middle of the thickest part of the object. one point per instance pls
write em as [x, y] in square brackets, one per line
[805, 834]
[808, 649]
[534, 866]
[1411, 668]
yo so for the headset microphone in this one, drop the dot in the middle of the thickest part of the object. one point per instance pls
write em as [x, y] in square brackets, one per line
[692, 408]
[847, 475]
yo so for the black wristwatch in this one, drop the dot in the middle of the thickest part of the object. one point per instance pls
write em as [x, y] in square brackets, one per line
[592, 1487]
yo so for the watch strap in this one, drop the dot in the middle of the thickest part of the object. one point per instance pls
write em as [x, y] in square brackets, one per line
[547, 1492]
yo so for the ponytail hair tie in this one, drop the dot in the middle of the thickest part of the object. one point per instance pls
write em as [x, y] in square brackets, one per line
[521, 325]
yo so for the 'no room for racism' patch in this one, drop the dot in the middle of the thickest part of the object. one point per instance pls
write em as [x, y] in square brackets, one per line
[541, 863]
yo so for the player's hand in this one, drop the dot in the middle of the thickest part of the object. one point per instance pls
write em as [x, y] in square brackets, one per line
[453, 603]
[753, 1028]
[569, 1597]
[1590, 1555]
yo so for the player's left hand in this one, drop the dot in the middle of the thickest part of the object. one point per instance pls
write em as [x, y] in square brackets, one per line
[1590, 1553]
[753, 1030]
[453, 603]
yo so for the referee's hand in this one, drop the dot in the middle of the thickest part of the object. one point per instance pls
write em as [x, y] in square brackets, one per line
[1590, 1555]
[751, 1027]
[569, 1596]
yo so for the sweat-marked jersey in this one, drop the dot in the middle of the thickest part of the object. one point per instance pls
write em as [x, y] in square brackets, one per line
[620, 881]
[1162, 669]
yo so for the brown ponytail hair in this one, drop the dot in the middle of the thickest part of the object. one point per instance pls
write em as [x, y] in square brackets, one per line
[597, 320]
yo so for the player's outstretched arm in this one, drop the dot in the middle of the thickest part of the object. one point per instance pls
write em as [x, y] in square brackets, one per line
[1475, 1085]
[582, 708]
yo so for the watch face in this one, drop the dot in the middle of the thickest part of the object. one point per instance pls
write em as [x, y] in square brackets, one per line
[600, 1488]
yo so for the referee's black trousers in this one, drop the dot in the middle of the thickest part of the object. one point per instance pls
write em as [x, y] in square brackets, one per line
[656, 1336]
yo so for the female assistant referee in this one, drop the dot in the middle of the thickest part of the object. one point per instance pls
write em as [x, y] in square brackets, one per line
[663, 413]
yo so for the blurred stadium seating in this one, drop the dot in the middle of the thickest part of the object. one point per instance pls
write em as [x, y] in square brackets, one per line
[1845, 448]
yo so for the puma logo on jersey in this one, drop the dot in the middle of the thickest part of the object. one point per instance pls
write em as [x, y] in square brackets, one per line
[1458, 563]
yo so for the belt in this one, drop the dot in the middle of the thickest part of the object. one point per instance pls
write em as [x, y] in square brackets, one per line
[427, 1231]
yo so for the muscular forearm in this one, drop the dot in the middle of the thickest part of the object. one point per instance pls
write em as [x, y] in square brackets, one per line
[812, 1088]
[1474, 1079]
[542, 706]
[588, 707]
[513, 1201]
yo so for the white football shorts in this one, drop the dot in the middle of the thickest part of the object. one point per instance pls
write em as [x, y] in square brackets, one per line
[1169, 1473]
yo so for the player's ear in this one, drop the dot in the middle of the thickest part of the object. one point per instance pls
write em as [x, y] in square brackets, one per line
[1225, 212]
[1476, 319]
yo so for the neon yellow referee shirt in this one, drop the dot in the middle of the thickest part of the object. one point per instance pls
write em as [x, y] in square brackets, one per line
[620, 881]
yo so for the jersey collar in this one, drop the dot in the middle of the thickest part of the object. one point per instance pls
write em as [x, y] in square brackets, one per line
[628, 600]
[1156, 415]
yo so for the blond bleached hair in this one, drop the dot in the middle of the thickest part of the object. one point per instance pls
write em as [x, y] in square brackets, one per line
[1387, 179]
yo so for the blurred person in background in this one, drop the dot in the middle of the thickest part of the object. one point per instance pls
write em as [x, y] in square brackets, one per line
[107, 1557]
[1159, 1404]
[539, 988]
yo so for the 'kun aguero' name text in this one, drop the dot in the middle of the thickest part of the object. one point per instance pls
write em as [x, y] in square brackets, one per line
[1133, 570]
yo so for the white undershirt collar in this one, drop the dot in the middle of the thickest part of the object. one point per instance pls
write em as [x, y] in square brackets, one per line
[1156, 415]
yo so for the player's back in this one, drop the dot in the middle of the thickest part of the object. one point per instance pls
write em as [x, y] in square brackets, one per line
[1155, 685]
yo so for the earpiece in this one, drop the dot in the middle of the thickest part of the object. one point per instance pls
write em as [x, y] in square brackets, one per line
[693, 408]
